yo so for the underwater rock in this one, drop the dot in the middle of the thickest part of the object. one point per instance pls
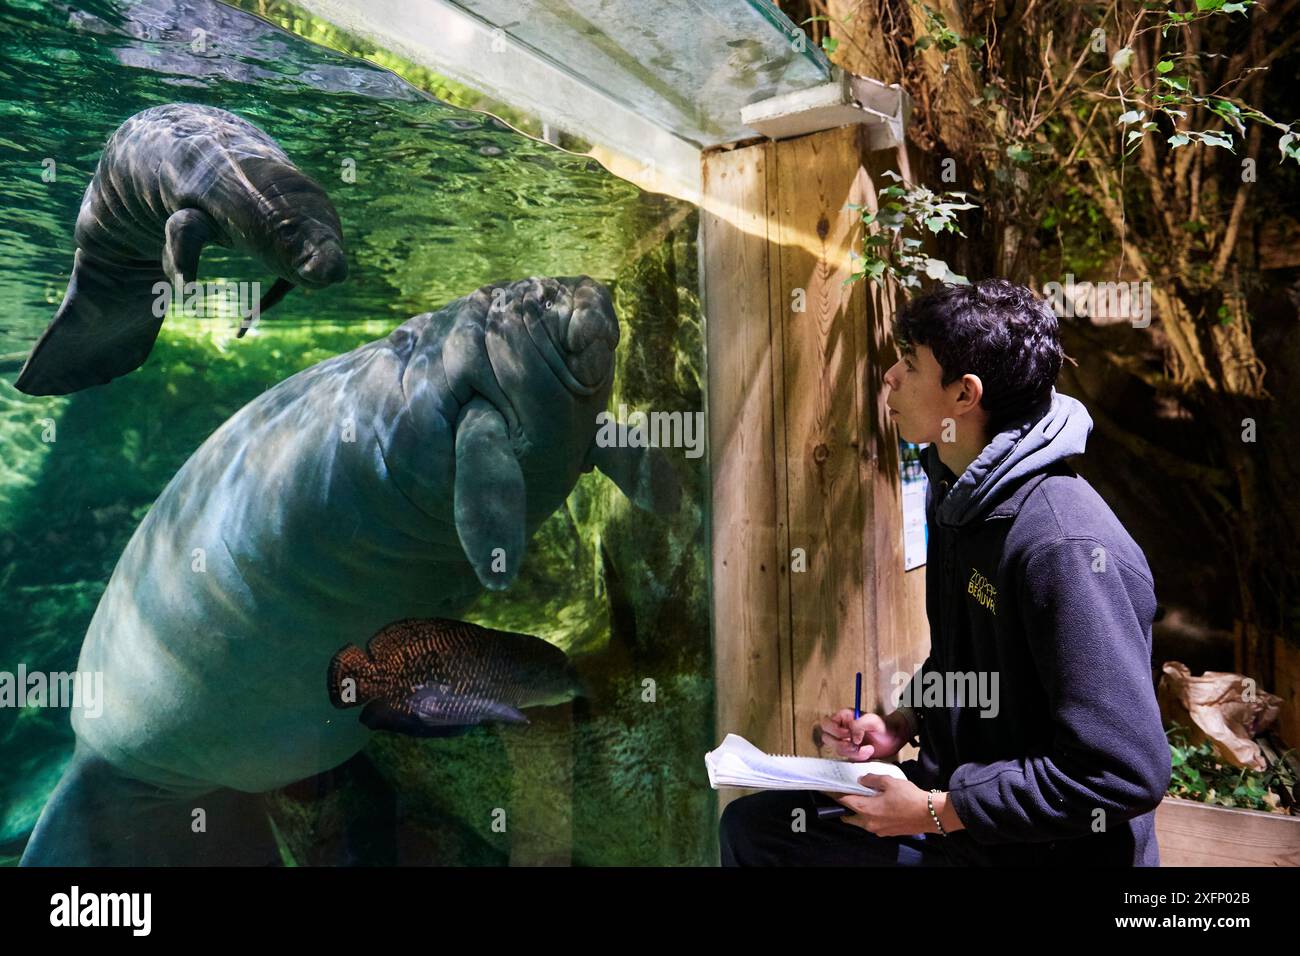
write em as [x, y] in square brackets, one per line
[170, 180]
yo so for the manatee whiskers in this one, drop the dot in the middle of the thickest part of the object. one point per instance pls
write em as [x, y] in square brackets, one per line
[171, 180]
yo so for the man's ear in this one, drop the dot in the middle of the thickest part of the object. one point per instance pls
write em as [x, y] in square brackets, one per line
[972, 390]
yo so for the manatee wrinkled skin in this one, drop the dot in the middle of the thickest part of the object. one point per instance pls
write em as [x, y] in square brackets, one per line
[170, 180]
[398, 480]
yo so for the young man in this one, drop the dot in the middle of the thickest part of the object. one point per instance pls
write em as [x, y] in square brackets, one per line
[1035, 592]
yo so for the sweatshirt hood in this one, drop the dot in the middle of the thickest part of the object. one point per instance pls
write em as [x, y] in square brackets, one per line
[1056, 429]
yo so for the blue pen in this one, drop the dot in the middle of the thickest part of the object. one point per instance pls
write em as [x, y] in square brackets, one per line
[827, 810]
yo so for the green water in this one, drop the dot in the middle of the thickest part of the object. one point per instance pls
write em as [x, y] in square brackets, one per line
[443, 200]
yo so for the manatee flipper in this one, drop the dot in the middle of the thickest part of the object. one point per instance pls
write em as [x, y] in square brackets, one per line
[105, 328]
[184, 236]
[278, 291]
[641, 473]
[489, 504]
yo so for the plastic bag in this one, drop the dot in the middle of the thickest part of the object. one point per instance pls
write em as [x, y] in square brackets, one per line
[1226, 709]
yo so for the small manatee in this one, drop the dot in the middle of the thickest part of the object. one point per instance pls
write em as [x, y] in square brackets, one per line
[172, 179]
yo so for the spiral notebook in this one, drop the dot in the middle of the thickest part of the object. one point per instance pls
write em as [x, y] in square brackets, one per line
[738, 763]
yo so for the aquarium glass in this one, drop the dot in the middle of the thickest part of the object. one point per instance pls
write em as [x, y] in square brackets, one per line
[434, 200]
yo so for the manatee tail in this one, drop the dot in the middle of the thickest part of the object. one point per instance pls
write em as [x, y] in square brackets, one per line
[99, 816]
[104, 329]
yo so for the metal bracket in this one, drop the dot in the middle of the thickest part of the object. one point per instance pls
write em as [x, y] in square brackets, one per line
[884, 108]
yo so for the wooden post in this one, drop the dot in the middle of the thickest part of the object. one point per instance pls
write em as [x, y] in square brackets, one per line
[804, 459]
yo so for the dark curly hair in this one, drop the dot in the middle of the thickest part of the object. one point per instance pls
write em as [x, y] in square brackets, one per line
[995, 329]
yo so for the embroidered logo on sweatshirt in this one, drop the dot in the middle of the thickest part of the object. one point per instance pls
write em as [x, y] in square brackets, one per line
[982, 589]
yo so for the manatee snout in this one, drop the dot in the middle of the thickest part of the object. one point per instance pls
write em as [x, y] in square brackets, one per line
[591, 333]
[323, 264]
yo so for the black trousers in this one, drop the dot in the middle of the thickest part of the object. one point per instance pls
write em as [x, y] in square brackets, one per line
[765, 829]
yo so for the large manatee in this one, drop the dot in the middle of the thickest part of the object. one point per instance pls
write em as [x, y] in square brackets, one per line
[396, 481]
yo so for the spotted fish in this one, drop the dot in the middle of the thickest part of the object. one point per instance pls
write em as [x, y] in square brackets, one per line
[433, 677]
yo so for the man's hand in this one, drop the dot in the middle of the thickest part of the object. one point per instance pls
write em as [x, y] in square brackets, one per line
[870, 737]
[898, 809]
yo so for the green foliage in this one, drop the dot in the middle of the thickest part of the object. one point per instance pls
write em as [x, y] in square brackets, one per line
[906, 214]
[1198, 774]
[829, 43]
[1176, 18]
[942, 37]
[1167, 93]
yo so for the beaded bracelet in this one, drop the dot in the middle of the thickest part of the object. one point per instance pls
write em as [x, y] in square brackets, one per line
[929, 802]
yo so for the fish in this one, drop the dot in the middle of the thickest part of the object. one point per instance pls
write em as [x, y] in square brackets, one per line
[436, 677]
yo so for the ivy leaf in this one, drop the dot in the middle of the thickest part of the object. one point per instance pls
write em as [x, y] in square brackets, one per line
[1229, 113]
[1179, 139]
[1164, 66]
[1210, 138]
[1132, 116]
[1289, 144]
[936, 268]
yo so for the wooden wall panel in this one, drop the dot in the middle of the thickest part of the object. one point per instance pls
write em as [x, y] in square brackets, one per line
[804, 389]
[750, 639]
[823, 351]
